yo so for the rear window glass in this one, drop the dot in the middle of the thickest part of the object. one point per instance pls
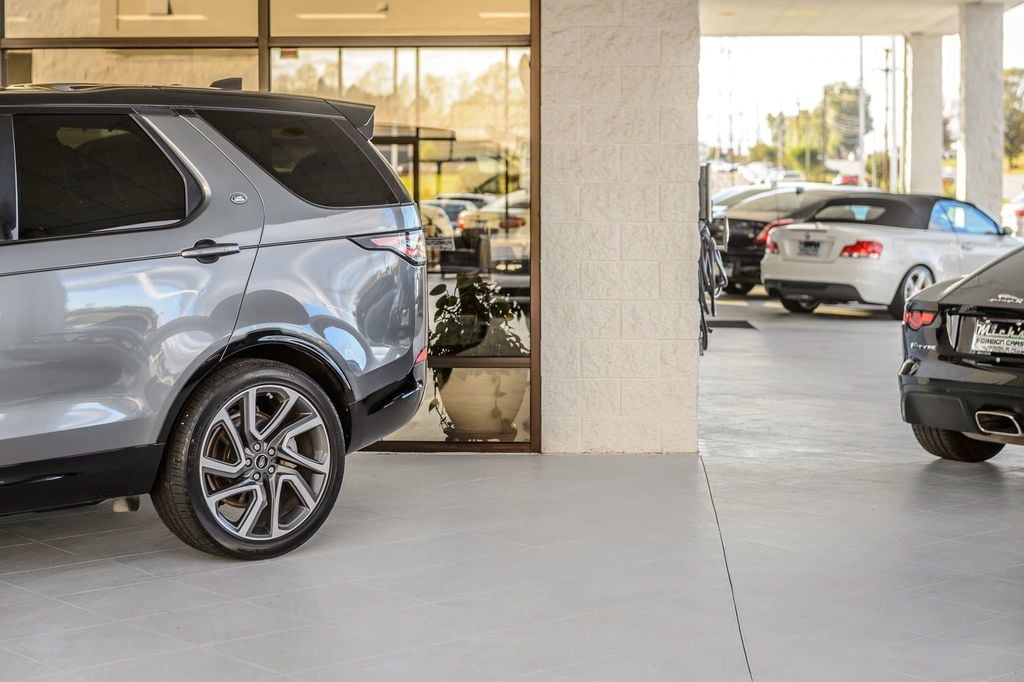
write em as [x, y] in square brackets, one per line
[783, 201]
[850, 213]
[311, 156]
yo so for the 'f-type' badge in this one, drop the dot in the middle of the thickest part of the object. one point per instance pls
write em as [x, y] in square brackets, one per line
[1006, 298]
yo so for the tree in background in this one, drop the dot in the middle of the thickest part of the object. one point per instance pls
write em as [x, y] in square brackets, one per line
[1013, 113]
[833, 124]
[762, 152]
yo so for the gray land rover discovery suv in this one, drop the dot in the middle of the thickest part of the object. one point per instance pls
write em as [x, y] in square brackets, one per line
[205, 295]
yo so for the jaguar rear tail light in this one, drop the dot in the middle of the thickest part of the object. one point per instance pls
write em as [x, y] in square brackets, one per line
[762, 236]
[422, 356]
[915, 319]
[408, 245]
[862, 249]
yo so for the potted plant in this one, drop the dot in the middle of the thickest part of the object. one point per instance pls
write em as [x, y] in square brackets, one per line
[474, 319]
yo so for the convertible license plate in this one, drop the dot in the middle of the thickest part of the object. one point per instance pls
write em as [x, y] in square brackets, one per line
[998, 336]
[808, 248]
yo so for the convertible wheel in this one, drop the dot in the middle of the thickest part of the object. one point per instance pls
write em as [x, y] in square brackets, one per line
[799, 305]
[738, 288]
[918, 279]
[255, 462]
[955, 445]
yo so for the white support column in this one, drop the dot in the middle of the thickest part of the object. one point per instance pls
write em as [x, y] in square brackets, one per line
[980, 160]
[924, 102]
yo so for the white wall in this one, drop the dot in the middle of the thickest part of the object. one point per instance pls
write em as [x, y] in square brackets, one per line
[618, 225]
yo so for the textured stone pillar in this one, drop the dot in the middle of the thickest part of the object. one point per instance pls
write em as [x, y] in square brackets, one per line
[980, 161]
[618, 225]
[924, 103]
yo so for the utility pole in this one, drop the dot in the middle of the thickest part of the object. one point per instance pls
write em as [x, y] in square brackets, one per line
[885, 166]
[861, 119]
[894, 162]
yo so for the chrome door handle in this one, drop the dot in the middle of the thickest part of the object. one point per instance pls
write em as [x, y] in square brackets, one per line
[208, 251]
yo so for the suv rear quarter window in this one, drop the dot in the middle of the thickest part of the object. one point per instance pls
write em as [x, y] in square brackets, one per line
[83, 173]
[311, 156]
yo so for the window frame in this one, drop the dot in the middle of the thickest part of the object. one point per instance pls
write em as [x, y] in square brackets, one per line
[191, 186]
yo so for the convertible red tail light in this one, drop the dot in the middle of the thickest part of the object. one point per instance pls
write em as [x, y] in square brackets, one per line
[862, 250]
[408, 245]
[769, 244]
[513, 221]
[915, 319]
[762, 236]
[1019, 212]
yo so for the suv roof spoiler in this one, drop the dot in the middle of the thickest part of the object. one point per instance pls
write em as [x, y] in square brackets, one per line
[359, 115]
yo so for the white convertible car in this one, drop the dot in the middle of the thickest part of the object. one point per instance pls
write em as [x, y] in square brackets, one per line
[878, 248]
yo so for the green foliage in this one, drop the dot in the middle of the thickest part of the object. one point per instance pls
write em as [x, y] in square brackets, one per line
[833, 123]
[762, 152]
[1013, 113]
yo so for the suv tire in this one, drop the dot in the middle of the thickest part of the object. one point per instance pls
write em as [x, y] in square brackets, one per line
[286, 462]
[738, 288]
[954, 445]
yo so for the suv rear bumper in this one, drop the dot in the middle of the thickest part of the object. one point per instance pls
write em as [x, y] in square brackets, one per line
[743, 268]
[387, 410]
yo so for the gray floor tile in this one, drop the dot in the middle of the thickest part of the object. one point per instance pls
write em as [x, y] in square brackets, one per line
[1006, 634]
[313, 646]
[144, 599]
[399, 667]
[941, 659]
[201, 625]
[42, 616]
[420, 625]
[437, 583]
[81, 577]
[532, 603]
[32, 557]
[513, 652]
[980, 591]
[179, 666]
[334, 602]
[456, 546]
[15, 668]
[91, 646]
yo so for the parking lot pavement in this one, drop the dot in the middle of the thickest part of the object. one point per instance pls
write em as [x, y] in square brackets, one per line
[852, 554]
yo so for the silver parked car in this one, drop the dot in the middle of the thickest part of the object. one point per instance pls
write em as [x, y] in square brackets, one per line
[208, 296]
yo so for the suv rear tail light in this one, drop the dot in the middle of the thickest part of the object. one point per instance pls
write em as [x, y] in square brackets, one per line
[1019, 212]
[408, 245]
[862, 250]
[915, 319]
[762, 236]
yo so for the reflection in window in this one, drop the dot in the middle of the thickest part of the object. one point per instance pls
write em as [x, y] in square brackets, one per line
[129, 18]
[400, 17]
[196, 68]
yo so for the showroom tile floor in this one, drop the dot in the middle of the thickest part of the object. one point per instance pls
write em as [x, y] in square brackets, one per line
[852, 555]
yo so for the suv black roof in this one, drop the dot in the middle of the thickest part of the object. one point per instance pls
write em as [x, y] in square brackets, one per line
[72, 94]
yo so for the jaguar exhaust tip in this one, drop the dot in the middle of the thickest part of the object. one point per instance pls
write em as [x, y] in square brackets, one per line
[997, 423]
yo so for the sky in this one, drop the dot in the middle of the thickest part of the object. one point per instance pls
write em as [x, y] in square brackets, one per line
[736, 76]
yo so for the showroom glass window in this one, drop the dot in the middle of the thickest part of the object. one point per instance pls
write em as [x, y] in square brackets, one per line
[451, 81]
[86, 173]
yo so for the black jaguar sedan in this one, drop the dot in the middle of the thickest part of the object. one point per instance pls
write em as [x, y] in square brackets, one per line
[962, 380]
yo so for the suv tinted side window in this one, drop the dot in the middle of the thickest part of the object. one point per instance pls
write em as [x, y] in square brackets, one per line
[311, 156]
[82, 173]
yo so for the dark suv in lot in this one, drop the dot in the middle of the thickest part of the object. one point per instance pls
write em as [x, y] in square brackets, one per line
[205, 295]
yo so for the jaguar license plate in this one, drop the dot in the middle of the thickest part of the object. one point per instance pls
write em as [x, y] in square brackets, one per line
[998, 336]
[808, 248]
